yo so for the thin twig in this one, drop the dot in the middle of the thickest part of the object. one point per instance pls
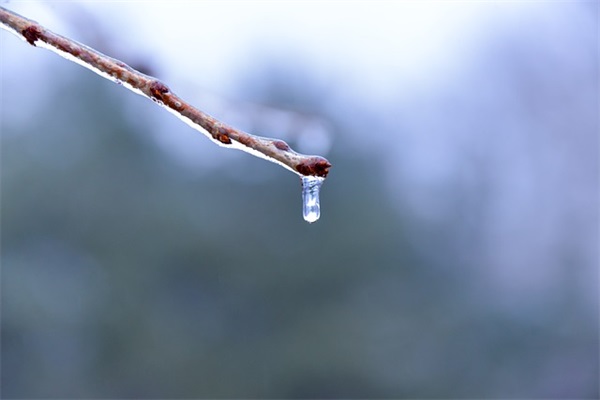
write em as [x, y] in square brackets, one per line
[224, 135]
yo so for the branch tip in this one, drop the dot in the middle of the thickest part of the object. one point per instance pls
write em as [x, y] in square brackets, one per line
[316, 166]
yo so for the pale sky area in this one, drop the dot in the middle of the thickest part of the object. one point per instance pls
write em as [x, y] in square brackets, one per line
[368, 45]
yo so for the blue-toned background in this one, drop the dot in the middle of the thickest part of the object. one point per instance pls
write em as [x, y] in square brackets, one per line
[456, 255]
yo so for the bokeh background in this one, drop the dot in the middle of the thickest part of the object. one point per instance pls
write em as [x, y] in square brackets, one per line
[456, 255]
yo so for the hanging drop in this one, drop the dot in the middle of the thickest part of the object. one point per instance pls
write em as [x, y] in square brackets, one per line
[311, 208]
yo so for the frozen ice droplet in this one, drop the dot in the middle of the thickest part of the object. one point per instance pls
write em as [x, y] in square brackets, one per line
[311, 209]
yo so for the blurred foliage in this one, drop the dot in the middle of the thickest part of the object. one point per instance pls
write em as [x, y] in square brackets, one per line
[125, 274]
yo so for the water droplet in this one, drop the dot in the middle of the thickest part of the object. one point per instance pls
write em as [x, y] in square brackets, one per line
[311, 208]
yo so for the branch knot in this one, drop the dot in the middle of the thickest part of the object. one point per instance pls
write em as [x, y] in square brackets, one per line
[32, 33]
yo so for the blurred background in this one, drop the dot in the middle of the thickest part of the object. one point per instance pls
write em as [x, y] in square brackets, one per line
[457, 251]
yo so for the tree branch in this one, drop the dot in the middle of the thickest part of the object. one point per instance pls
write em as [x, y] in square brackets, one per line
[224, 135]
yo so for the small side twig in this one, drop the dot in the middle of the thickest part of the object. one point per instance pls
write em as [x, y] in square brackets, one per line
[224, 135]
